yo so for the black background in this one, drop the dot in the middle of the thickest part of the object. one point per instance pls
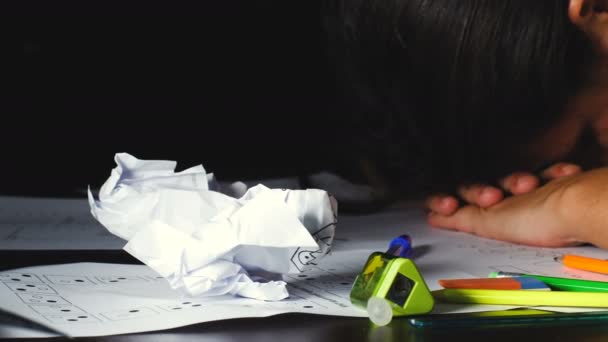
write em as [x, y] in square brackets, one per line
[243, 87]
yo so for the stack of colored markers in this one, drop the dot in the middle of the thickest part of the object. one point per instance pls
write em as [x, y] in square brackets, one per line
[502, 288]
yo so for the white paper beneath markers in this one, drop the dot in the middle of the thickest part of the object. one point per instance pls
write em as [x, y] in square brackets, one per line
[92, 300]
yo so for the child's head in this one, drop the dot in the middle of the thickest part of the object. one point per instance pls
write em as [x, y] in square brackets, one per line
[458, 91]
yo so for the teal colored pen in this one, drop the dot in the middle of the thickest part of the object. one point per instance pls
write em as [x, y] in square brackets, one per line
[560, 284]
[516, 317]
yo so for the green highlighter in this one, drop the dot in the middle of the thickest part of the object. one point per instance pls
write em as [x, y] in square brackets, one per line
[391, 285]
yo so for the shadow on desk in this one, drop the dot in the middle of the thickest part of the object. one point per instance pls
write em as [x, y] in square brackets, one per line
[301, 327]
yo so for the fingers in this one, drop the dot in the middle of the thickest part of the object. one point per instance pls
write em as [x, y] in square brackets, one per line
[466, 219]
[442, 204]
[478, 221]
[520, 183]
[485, 196]
[512, 219]
[481, 195]
[561, 170]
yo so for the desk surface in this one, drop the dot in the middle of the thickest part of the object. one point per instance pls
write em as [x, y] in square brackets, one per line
[300, 327]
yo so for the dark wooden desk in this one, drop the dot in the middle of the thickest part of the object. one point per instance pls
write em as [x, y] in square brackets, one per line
[300, 327]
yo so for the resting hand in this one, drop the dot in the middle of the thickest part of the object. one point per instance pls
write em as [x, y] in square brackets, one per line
[566, 211]
[485, 196]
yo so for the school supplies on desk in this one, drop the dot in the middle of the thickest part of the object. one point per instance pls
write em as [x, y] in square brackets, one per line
[511, 283]
[560, 284]
[391, 285]
[523, 298]
[584, 263]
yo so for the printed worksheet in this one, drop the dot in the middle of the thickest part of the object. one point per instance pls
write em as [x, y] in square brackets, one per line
[90, 299]
[94, 299]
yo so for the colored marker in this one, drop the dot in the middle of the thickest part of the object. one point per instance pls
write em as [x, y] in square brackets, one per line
[513, 283]
[523, 298]
[560, 284]
[584, 263]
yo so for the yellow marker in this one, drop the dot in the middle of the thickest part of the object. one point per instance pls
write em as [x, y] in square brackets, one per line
[523, 298]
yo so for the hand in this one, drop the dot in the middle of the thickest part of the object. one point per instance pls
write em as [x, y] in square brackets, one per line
[485, 196]
[567, 211]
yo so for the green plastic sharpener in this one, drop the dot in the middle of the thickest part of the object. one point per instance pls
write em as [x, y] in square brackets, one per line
[390, 286]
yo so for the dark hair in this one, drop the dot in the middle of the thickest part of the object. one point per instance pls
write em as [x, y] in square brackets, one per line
[446, 92]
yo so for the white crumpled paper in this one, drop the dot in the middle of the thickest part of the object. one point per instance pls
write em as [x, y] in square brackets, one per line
[211, 241]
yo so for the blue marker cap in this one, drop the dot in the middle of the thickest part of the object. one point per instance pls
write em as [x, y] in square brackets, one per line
[401, 246]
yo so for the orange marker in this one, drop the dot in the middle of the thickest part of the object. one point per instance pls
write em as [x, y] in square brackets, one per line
[584, 263]
[509, 283]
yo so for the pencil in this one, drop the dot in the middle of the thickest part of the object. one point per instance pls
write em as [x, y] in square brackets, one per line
[584, 263]
[523, 298]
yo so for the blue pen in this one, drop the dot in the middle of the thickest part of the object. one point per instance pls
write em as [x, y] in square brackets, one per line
[400, 246]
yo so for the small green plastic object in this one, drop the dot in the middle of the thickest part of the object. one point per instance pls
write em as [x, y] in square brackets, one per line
[389, 286]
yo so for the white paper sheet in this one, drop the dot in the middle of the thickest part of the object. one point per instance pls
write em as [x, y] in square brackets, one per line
[51, 223]
[207, 242]
[85, 301]
[25, 210]
[437, 253]
[92, 299]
